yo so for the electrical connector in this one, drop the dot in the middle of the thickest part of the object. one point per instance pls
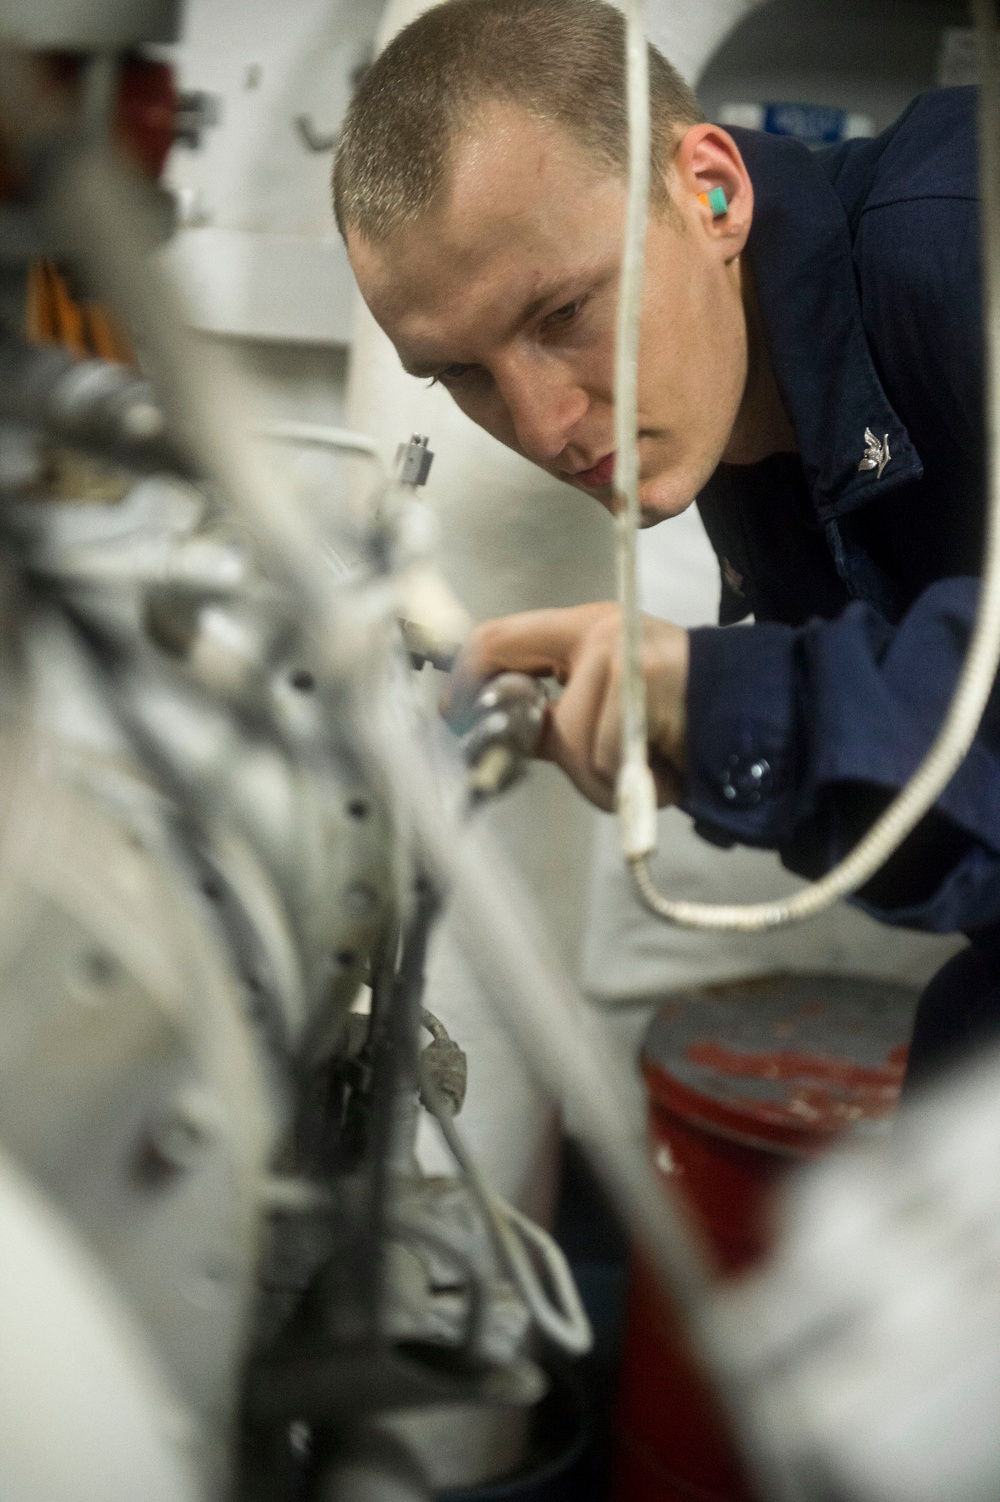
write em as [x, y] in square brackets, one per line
[414, 460]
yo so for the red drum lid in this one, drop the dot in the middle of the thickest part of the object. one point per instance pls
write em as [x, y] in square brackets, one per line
[782, 1061]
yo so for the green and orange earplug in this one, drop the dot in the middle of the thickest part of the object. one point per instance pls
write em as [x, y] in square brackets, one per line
[715, 199]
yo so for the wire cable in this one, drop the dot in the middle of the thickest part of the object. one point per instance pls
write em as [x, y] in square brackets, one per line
[564, 1319]
[423, 1238]
[979, 669]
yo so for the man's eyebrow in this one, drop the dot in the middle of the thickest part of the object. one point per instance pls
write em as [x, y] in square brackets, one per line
[423, 369]
[534, 307]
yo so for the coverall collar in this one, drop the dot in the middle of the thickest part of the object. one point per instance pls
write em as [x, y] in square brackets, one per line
[800, 252]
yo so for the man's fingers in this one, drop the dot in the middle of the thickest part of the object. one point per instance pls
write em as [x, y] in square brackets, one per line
[583, 735]
[569, 730]
[606, 751]
[582, 730]
[539, 642]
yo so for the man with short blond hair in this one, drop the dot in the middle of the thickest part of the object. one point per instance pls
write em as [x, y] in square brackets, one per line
[562, 63]
[810, 373]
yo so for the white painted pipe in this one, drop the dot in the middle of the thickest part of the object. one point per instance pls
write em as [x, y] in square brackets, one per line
[87, 1413]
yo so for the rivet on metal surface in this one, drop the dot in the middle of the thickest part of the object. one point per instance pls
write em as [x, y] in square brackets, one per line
[361, 901]
[99, 971]
[664, 1159]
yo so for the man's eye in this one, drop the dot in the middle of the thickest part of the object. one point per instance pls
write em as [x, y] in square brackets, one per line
[566, 313]
[449, 375]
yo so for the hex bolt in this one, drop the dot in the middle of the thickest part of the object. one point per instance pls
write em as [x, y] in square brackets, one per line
[182, 1134]
[100, 968]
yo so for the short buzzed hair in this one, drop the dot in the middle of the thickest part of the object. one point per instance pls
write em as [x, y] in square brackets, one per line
[563, 61]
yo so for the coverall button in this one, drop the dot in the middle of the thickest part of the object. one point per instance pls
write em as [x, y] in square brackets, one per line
[745, 780]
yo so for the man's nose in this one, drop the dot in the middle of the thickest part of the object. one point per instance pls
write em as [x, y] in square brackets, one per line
[544, 403]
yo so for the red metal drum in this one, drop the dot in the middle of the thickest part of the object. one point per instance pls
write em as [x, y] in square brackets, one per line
[744, 1080]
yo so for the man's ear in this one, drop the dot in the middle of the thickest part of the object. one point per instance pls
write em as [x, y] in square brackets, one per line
[713, 186]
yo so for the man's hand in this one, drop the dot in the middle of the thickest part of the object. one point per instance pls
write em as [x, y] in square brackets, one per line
[581, 648]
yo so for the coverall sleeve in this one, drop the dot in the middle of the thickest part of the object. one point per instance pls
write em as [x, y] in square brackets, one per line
[799, 736]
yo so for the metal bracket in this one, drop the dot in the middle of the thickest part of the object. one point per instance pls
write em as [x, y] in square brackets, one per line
[196, 111]
[311, 137]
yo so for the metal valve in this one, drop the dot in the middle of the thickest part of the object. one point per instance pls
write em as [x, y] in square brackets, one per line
[508, 715]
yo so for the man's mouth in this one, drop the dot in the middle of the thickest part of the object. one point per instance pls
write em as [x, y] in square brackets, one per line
[599, 476]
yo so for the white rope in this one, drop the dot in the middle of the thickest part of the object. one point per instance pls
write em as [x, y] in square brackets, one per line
[983, 656]
[635, 792]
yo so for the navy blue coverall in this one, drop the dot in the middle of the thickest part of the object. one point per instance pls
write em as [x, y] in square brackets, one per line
[857, 556]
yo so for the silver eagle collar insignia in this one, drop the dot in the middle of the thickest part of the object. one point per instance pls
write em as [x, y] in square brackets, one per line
[876, 455]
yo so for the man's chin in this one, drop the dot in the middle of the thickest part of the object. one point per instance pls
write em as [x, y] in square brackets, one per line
[659, 505]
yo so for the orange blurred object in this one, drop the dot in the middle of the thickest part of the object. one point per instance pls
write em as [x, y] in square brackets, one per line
[144, 129]
[84, 330]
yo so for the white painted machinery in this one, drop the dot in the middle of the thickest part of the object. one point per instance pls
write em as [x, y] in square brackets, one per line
[227, 829]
